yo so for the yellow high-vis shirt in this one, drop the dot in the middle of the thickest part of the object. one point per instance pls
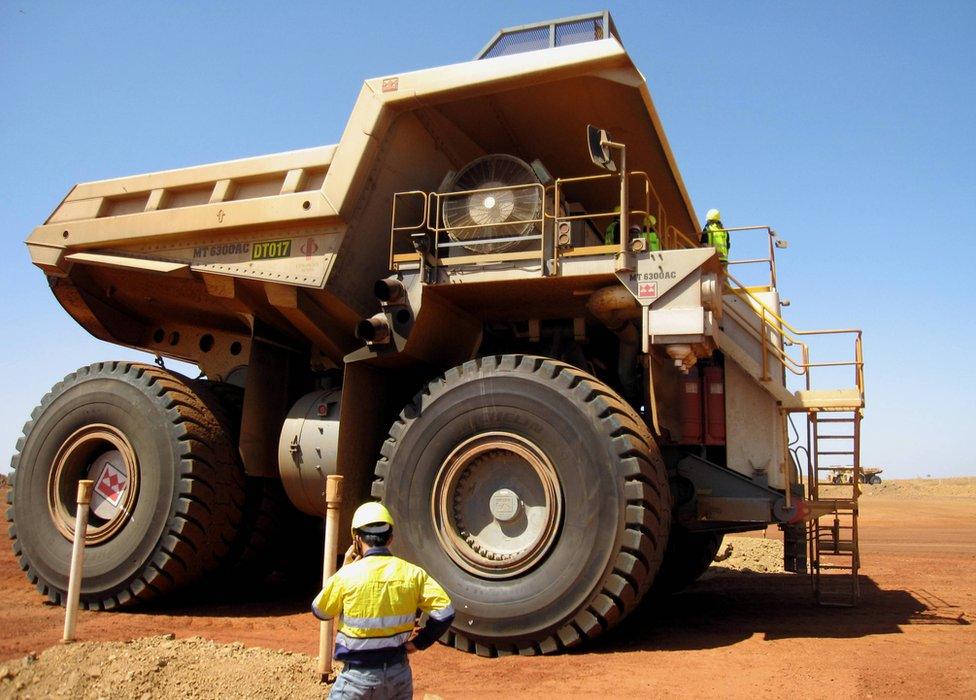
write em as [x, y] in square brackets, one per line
[376, 600]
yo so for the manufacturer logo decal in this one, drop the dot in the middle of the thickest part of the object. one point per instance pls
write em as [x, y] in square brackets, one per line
[111, 484]
[647, 290]
[309, 248]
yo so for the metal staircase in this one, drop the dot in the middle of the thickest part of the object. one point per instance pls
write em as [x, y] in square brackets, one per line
[833, 435]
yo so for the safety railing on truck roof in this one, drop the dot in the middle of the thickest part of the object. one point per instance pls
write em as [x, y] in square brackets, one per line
[431, 236]
[547, 35]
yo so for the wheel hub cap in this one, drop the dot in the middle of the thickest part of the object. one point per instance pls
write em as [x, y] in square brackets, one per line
[504, 505]
[103, 454]
[496, 505]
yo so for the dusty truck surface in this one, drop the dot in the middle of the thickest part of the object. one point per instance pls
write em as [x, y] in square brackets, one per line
[564, 422]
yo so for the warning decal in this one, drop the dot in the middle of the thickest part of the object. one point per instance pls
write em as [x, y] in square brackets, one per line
[647, 289]
[111, 484]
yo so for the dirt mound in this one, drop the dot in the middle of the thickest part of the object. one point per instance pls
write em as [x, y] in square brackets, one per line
[954, 487]
[756, 554]
[160, 668]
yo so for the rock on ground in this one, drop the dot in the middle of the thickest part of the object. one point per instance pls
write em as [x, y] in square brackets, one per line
[756, 554]
[160, 668]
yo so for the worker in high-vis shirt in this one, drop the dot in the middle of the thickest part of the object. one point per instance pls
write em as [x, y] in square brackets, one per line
[611, 235]
[650, 233]
[715, 235]
[375, 597]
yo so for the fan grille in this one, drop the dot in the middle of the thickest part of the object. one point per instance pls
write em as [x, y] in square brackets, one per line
[495, 199]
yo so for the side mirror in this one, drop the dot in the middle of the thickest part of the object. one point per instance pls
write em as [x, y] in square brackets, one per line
[597, 140]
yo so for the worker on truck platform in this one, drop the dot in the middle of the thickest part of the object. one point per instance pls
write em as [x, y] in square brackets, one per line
[650, 233]
[376, 597]
[715, 235]
[611, 235]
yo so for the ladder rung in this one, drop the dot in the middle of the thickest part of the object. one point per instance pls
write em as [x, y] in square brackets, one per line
[834, 420]
[821, 452]
[839, 547]
[835, 437]
[838, 526]
[834, 567]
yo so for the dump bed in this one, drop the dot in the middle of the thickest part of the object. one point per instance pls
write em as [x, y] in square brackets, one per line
[291, 243]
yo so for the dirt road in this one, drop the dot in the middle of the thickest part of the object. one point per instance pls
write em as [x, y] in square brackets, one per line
[756, 635]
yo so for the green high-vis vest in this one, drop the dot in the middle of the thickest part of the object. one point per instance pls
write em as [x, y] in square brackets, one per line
[653, 242]
[718, 237]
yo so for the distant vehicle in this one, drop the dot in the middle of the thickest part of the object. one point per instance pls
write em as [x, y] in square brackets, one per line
[845, 475]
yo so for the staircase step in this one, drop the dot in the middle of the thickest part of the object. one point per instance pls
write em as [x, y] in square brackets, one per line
[813, 400]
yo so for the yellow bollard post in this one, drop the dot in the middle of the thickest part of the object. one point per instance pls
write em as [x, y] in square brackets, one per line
[77, 559]
[333, 499]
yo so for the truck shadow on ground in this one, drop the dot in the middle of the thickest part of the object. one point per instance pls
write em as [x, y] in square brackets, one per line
[734, 606]
[269, 596]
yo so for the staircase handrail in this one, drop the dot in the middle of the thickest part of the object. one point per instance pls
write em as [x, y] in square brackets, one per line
[788, 332]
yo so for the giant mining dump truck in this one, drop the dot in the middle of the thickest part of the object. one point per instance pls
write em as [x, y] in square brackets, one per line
[562, 427]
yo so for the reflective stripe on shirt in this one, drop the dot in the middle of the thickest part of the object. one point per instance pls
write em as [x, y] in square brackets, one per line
[369, 643]
[443, 613]
[378, 622]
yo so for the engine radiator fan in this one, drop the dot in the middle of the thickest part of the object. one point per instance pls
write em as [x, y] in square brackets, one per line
[506, 214]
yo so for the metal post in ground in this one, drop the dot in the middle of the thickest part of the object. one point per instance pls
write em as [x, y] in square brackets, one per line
[333, 499]
[77, 559]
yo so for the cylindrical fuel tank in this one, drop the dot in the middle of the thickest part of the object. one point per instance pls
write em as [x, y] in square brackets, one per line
[691, 408]
[308, 447]
[713, 385]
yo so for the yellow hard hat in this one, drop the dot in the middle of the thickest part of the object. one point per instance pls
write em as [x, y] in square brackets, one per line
[373, 514]
[650, 220]
[712, 215]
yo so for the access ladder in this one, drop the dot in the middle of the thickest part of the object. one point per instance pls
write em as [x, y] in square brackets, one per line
[832, 534]
[833, 437]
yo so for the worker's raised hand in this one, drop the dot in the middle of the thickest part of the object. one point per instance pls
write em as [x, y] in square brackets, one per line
[351, 555]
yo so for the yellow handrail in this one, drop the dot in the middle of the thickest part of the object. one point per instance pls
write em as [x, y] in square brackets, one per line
[787, 331]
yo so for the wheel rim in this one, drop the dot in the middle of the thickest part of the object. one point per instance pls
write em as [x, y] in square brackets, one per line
[103, 454]
[496, 504]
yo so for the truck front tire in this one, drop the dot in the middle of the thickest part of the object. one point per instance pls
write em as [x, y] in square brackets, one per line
[168, 489]
[534, 494]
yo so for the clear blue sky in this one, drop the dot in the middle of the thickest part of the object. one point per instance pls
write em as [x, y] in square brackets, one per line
[848, 126]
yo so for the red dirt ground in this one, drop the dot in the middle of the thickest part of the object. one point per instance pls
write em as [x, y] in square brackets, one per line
[735, 635]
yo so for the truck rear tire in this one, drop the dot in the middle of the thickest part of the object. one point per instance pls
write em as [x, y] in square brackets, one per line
[688, 556]
[168, 487]
[534, 494]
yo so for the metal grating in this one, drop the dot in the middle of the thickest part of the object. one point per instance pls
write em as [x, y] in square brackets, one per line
[520, 42]
[544, 35]
[579, 32]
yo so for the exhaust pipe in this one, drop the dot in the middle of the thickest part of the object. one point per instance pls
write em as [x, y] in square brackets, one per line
[389, 290]
[616, 308]
[374, 330]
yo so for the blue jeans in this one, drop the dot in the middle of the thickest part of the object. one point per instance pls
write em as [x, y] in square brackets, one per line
[392, 683]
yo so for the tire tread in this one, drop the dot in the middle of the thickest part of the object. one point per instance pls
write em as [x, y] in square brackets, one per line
[639, 466]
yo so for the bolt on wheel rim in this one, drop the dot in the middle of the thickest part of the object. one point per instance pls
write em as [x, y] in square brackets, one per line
[496, 505]
[103, 454]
